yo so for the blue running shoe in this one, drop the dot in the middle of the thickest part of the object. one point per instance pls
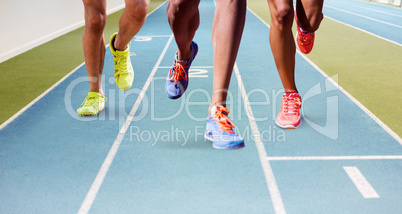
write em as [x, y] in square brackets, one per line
[219, 130]
[177, 79]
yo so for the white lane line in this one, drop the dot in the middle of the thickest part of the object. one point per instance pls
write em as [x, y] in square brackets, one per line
[361, 106]
[25, 47]
[360, 182]
[364, 31]
[366, 8]
[366, 17]
[89, 199]
[363, 157]
[46, 38]
[269, 175]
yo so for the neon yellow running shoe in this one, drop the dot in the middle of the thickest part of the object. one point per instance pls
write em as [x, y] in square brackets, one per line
[123, 70]
[92, 105]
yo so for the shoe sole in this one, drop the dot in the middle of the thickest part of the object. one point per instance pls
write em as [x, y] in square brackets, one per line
[89, 114]
[218, 147]
[83, 115]
[173, 97]
[125, 88]
[290, 126]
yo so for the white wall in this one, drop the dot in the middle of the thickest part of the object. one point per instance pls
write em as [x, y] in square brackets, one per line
[25, 24]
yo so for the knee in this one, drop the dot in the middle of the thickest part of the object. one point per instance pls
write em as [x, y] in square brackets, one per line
[282, 17]
[96, 22]
[137, 9]
[95, 18]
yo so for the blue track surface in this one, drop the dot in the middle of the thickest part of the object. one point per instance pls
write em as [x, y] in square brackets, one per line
[50, 157]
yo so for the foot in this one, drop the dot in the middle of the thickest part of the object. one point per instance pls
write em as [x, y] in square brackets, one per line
[289, 116]
[304, 40]
[219, 130]
[92, 105]
[123, 70]
[177, 79]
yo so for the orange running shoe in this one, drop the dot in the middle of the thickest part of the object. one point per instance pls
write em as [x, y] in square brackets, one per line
[289, 116]
[304, 40]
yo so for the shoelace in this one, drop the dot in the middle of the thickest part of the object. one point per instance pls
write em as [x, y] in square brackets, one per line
[91, 100]
[122, 62]
[179, 72]
[293, 102]
[306, 38]
[221, 117]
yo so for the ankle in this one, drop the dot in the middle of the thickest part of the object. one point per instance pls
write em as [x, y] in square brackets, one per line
[216, 104]
[97, 90]
[289, 91]
[183, 56]
[181, 60]
[117, 45]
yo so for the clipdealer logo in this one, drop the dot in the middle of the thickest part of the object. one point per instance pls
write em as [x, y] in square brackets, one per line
[322, 92]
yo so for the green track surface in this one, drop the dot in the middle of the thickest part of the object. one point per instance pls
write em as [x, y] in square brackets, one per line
[26, 76]
[367, 67]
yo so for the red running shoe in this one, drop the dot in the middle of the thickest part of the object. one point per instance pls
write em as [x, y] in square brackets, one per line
[304, 40]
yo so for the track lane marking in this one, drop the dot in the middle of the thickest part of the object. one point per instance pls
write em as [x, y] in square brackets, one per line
[93, 191]
[360, 182]
[363, 16]
[362, 157]
[365, 8]
[269, 175]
